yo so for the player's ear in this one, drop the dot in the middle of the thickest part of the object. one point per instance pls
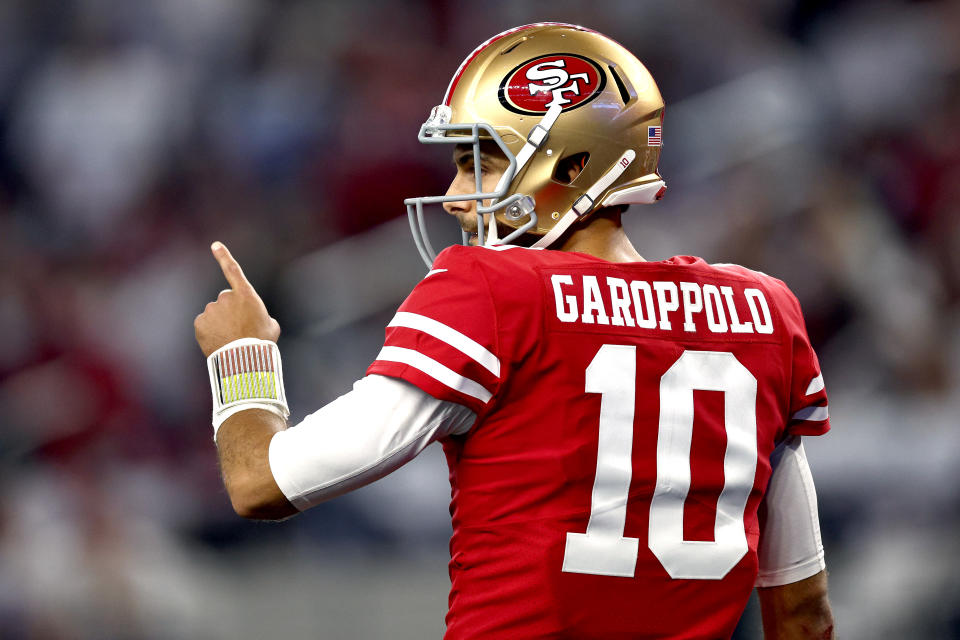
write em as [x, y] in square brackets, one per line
[570, 167]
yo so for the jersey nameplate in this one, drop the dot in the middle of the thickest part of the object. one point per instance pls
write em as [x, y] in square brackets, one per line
[584, 301]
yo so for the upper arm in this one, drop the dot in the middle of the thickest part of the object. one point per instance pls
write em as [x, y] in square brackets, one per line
[792, 580]
[797, 611]
[365, 434]
[790, 546]
[271, 472]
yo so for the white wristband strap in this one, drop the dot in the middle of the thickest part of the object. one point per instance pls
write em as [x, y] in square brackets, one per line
[246, 374]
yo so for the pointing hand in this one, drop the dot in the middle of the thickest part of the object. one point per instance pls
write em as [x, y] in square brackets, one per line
[238, 311]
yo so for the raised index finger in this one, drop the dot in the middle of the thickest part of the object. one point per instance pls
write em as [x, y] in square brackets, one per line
[230, 267]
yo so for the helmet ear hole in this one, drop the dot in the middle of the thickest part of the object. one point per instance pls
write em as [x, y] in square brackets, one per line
[570, 167]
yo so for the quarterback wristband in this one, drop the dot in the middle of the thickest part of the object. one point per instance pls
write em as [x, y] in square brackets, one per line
[246, 374]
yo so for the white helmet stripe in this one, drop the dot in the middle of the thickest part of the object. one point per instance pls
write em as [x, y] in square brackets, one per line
[492, 236]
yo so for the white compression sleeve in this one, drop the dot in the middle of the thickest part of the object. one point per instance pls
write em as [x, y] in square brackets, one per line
[360, 437]
[790, 546]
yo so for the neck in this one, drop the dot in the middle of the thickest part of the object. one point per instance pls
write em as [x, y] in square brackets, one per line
[602, 237]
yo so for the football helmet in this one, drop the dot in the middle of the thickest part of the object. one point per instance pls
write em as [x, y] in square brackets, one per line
[545, 93]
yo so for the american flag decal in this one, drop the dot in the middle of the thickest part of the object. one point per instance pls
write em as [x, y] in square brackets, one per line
[653, 137]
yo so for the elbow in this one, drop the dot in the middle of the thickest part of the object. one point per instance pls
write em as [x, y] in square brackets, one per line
[797, 611]
[247, 477]
[259, 500]
[251, 510]
[813, 620]
[808, 627]
[811, 629]
[818, 624]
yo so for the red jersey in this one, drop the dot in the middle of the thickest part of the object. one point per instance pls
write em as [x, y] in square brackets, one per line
[625, 418]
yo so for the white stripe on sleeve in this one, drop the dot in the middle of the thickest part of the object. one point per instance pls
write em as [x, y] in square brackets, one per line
[814, 414]
[451, 336]
[435, 370]
[815, 386]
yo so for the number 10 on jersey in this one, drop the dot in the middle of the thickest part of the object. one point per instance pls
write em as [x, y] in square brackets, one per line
[603, 549]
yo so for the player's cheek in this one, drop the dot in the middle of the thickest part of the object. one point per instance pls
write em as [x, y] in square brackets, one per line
[490, 180]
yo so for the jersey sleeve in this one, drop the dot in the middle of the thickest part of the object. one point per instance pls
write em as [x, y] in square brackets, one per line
[443, 339]
[808, 412]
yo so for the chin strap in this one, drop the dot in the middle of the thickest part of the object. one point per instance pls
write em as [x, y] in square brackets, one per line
[585, 203]
[492, 237]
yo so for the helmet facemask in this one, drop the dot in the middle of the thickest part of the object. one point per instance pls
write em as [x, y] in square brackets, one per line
[438, 130]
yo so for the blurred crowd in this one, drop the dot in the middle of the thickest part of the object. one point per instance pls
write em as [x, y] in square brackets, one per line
[818, 142]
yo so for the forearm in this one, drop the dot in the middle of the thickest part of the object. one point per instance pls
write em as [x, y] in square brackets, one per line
[243, 443]
[797, 611]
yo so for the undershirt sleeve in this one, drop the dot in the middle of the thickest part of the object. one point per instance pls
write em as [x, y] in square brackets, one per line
[790, 546]
[363, 435]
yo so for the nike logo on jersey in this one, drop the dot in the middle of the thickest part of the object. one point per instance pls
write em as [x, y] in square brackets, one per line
[664, 305]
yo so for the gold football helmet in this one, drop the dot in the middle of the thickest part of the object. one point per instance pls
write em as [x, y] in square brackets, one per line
[545, 93]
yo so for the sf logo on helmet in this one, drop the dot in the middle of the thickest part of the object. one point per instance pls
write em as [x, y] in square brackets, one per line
[563, 79]
[556, 80]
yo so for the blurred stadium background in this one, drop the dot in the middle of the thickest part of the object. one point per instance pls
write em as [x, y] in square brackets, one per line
[816, 141]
